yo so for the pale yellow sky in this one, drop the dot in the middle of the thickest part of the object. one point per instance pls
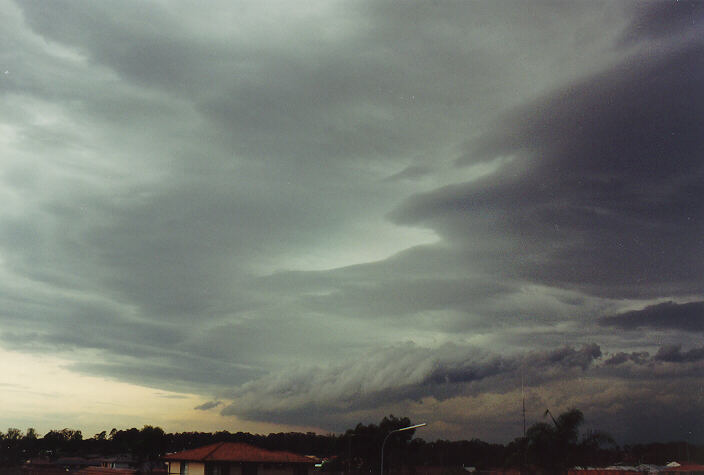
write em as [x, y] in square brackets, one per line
[39, 391]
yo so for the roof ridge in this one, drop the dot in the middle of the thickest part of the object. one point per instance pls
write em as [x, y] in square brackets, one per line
[217, 446]
[237, 451]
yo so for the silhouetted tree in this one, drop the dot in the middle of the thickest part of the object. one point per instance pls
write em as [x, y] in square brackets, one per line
[363, 444]
[597, 449]
[558, 446]
[550, 446]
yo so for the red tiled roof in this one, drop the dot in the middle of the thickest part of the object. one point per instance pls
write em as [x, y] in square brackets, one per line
[686, 468]
[236, 452]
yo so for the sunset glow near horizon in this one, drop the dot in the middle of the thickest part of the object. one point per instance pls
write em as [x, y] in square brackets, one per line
[41, 393]
[268, 216]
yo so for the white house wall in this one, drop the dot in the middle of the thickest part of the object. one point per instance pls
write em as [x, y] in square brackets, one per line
[196, 468]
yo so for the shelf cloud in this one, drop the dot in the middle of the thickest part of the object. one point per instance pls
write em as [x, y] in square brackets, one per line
[316, 215]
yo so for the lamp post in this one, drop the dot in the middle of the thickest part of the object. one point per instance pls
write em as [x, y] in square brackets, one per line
[392, 432]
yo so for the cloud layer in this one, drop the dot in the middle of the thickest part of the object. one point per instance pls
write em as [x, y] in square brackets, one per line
[686, 317]
[321, 213]
[412, 376]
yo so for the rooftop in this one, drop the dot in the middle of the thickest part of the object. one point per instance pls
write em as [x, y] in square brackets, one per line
[237, 452]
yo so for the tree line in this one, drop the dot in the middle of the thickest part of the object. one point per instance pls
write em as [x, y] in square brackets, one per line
[550, 446]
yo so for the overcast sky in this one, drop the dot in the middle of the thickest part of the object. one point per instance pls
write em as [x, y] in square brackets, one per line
[304, 215]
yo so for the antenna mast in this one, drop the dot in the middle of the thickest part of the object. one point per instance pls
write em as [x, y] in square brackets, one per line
[523, 397]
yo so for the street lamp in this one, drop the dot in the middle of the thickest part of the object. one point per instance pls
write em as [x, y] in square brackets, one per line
[392, 432]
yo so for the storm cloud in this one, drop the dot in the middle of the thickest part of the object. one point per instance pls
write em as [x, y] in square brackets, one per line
[598, 185]
[349, 209]
[686, 317]
[409, 376]
[674, 353]
[396, 374]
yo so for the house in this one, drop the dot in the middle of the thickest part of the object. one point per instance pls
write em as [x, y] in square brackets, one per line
[681, 469]
[119, 461]
[63, 465]
[106, 471]
[41, 466]
[231, 458]
[72, 464]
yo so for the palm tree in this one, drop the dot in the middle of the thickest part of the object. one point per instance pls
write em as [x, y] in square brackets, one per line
[554, 447]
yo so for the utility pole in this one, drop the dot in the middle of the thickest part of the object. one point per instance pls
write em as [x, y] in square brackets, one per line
[523, 397]
[525, 442]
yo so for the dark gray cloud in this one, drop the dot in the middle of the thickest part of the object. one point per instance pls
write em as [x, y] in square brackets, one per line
[601, 191]
[395, 374]
[208, 405]
[663, 421]
[667, 315]
[197, 199]
[413, 377]
[660, 19]
[674, 354]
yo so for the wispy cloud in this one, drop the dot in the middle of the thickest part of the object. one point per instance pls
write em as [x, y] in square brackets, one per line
[208, 405]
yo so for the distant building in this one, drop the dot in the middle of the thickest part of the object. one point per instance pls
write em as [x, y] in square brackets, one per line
[681, 469]
[41, 466]
[106, 471]
[60, 466]
[114, 465]
[672, 468]
[230, 458]
[119, 461]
